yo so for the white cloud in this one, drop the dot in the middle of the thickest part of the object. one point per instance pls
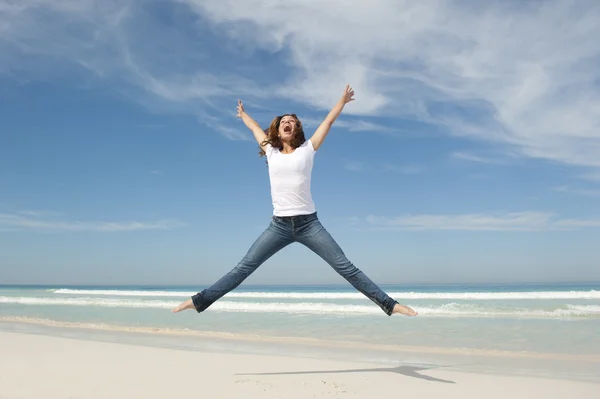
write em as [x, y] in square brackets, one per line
[515, 221]
[354, 166]
[593, 176]
[359, 166]
[403, 169]
[123, 45]
[467, 156]
[36, 213]
[350, 124]
[578, 191]
[576, 223]
[523, 74]
[362, 126]
[32, 222]
[477, 176]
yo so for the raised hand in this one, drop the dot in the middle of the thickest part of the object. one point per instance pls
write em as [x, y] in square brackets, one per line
[323, 129]
[259, 133]
[240, 109]
[348, 94]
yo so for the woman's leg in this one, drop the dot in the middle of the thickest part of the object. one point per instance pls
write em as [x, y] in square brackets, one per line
[273, 239]
[316, 238]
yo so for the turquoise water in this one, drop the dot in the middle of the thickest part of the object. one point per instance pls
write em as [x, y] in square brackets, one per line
[556, 318]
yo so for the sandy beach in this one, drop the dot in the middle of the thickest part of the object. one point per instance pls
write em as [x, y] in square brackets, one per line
[35, 366]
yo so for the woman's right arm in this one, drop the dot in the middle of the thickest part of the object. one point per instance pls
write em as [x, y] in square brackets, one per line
[259, 133]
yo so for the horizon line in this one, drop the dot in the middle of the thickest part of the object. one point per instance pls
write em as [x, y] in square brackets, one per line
[98, 285]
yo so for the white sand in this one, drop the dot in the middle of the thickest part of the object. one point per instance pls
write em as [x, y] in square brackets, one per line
[37, 366]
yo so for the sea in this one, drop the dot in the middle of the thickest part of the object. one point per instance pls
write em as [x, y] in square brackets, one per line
[517, 318]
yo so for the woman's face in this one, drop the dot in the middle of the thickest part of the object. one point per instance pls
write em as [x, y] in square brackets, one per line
[287, 128]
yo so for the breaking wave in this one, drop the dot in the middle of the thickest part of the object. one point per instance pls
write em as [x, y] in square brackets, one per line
[444, 310]
[478, 296]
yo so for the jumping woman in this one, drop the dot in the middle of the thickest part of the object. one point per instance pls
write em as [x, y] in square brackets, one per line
[290, 161]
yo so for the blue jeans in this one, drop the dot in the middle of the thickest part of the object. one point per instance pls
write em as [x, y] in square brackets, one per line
[307, 230]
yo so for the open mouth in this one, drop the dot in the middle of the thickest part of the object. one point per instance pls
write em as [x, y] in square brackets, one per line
[287, 129]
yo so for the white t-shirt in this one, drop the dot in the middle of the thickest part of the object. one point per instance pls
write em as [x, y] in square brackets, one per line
[290, 180]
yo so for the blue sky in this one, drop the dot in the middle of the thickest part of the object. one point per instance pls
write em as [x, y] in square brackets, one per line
[471, 153]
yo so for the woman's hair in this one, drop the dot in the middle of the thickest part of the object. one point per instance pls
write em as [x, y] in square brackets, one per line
[273, 134]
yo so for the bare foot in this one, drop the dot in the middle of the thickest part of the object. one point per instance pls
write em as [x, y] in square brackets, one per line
[184, 306]
[405, 310]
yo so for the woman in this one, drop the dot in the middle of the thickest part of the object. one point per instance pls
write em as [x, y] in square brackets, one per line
[290, 159]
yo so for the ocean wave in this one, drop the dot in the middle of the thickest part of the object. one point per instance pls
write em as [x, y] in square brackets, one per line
[592, 294]
[445, 310]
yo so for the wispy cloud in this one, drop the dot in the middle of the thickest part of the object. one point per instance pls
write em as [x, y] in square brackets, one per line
[354, 166]
[467, 156]
[516, 221]
[499, 71]
[359, 125]
[36, 213]
[523, 74]
[45, 39]
[588, 192]
[477, 176]
[360, 166]
[592, 176]
[403, 169]
[34, 222]
[572, 224]
[350, 124]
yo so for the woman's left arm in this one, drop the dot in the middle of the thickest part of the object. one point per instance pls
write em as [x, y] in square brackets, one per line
[321, 132]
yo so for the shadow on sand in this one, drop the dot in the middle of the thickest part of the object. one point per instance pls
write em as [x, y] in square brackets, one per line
[409, 371]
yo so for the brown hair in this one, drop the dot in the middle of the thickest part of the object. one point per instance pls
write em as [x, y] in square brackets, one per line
[273, 134]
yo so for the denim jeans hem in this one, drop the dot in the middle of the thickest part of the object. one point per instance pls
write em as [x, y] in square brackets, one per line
[389, 311]
[196, 301]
